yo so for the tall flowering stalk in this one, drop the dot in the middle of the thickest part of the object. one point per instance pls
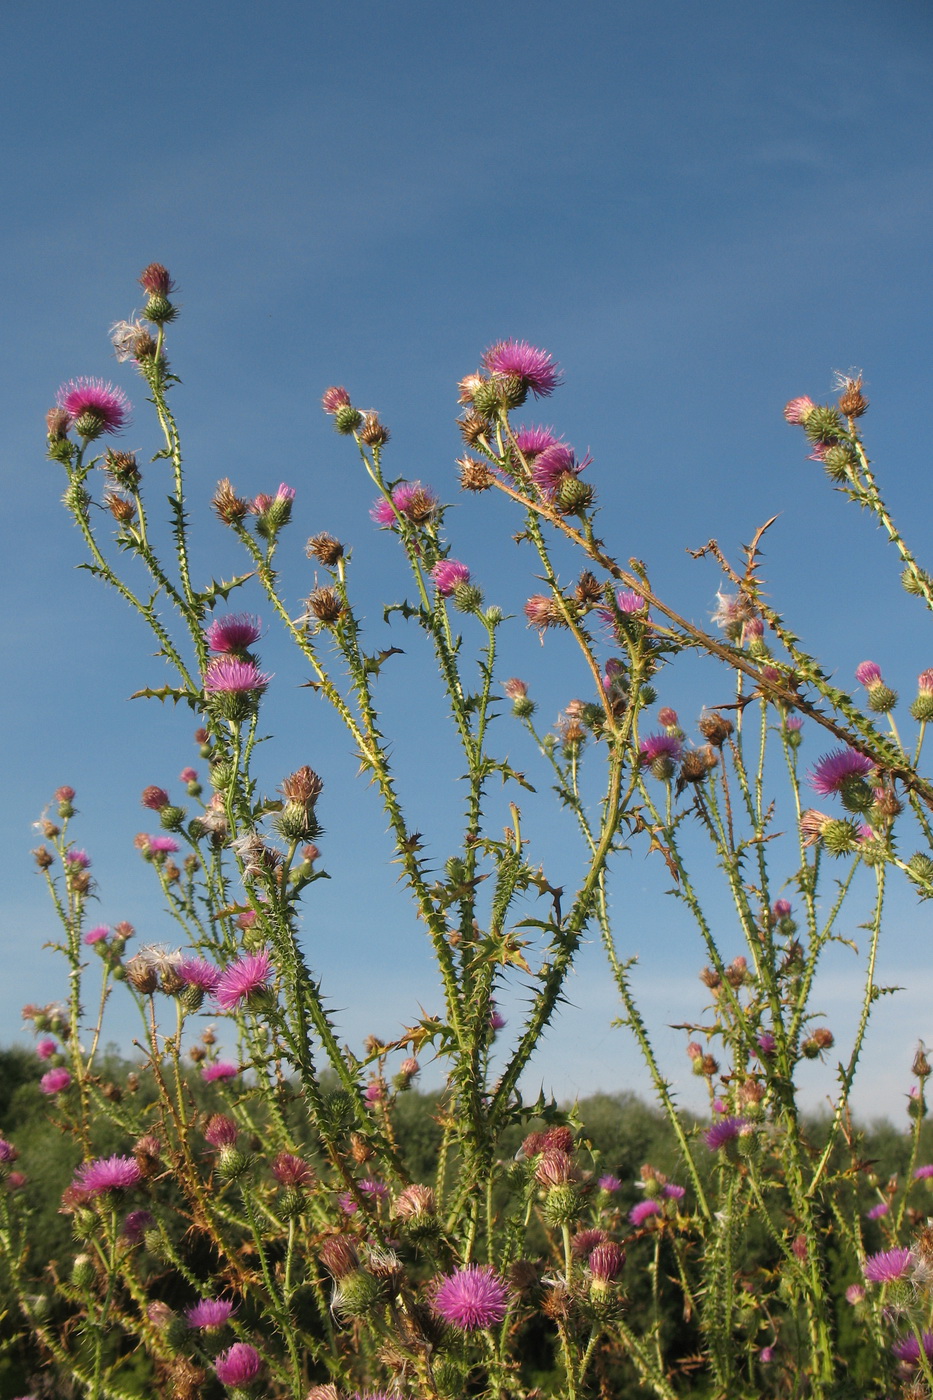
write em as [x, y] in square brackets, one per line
[260, 1230]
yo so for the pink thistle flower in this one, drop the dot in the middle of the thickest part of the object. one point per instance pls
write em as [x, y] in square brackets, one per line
[377, 1189]
[108, 1174]
[210, 1314]
[888, 1266]
[220, 1131]
[832, 771]
[238, 1365]
[516, 359]
[855, 1293]
[155, 280]
[766, 1355]
[135, 1225]
[96, 935]
[94, 407]
[46, 1049]
[725, 1131]
[552, 465]
[585, 1241]
[334, 398]
[868, 673]
[162, 845]
[292, 1171]
[923, 1173]
[235, 632]
[766, 1042]
[411, 499]
[55, 1081]
[347, 1204]
[609, 1183]
[219, 1070]
[155, 798]
[798, 410]
[8, 1152]
[531, 441]
[188, 775]
[878, 1212]
[908, 1348]
[925, 682]
[242, 979]
[628, 602]
[448, 574]
[237, 677]
[605, 1262]
[198, 972]
[782, 908]
[643, 1211]
[672, 1191]
[473, 1298]
[497, 1021]
[794, 723]
[80, 859]
[659, 753]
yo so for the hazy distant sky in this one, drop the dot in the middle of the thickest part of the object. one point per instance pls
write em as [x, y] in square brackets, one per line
[699, 209]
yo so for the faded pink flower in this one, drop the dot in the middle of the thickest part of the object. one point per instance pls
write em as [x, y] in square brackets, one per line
[868, 673]
[473, 1298]
[516, 359]
[162, 845]
[242, 979]
[878, 1212]
[334, 398]
[798, 410]
[605, 1261]
[609, 1183]
[135, 1225]
[411, 499]
[220, 1131]
[235, 632]
[94, 407]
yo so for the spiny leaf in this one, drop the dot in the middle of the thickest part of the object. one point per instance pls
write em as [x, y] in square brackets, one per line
[169, 692]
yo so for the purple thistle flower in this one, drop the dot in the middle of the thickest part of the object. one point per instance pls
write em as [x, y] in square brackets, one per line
[377, 1189]
[162, 845]
[448, 574]
[219, 1070]
[516, 359]
[94, 406]
[46, 1049]
[472, 1298]
[765, 1355]
[832, 771]
[878, 1212]
[347, 1204]
[198, 972]
[794, 723]
[925, 682]
[888, 1266]
[108, 1174]
[628, 602]
[643, 1211]
[782, 908]
[411, 499]
[238, 677]
[552, 464]
[868, 673]
[241, 979]
[605, 1261]
[855, 1293]
[8, 1152]
[334, 398]
[908, 1348]
[531, 441]
[220, 1131]
[55, 1081]
[238, 1365]
[77, 858]
[235, 632]
[660, 753]
[96, 935]
[673, 1192]
[135, 1225]
[724, 1131]
[609, 1183]
[210, 1314]
[923, 1173]
[766, 1042]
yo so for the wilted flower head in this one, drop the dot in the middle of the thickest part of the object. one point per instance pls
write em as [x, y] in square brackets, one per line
[128, 338]
[234, 633]
[238, 1365]
[831, 772]
[472, 1298]
[516, 359]
[220, 1131]
[94, 407]
[108, 1174]
[606, 1260]
[242, 979]
[798, 410]
[155, 280]
[210, 1314]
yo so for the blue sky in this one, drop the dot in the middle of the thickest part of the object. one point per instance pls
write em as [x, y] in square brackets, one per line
[700, 210]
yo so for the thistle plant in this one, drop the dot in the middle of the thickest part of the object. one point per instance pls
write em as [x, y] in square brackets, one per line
[257, 1228]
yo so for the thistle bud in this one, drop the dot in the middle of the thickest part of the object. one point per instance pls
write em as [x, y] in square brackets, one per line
[573, 496]
[921, 1065]
[347, 419]
[83, 1272]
